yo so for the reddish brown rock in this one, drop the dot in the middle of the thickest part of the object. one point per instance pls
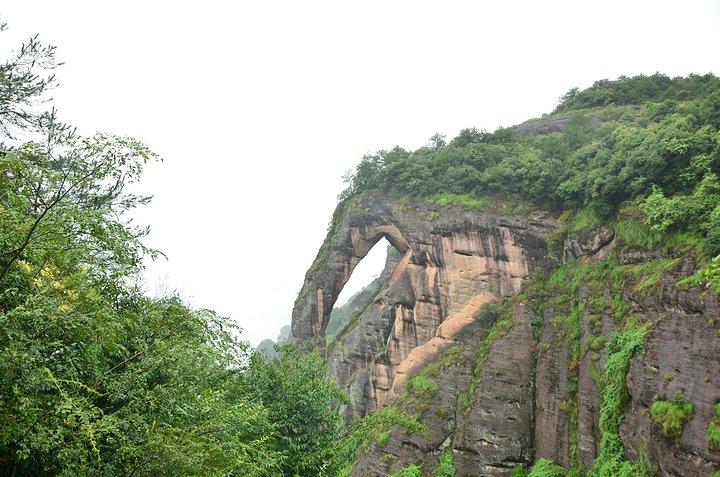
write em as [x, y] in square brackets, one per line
[551, 422]
[454, 261]
[536, 395]
[682, 355]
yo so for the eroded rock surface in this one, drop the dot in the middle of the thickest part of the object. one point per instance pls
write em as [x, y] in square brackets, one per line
[511, 381]
[454, 262]
[682, 356]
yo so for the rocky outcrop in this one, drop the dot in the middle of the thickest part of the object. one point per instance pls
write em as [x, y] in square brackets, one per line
[548, 124]
[595, 245]
[512, 380]
[682, 356]
[454, 261]
[496, 434]
[284, 334]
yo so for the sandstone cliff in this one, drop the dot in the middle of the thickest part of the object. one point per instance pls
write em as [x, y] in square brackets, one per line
[502, 350]
[451, 266]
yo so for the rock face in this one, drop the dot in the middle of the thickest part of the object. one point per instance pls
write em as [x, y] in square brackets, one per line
[548, 124]
[682, 355]
[599, 243]
[510, 383]
[453, 262]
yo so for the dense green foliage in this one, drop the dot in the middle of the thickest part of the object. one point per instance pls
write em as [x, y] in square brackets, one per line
[642, 137]
[638, 90]
[297, 394]
[308, 437]
[96, 378]
[671, 416]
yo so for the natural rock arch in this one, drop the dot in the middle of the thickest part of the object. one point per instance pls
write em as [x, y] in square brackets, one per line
[356, 235]
[453, 263]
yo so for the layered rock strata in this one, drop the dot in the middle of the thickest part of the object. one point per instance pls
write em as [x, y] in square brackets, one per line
[454, 261]
[512, 381]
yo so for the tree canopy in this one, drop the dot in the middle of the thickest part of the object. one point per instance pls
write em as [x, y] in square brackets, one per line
[649, 138]
[98, 378]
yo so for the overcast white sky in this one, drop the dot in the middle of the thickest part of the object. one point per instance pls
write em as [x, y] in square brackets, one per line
[259, 107]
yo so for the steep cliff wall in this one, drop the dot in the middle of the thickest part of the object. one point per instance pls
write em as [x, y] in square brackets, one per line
[454, 261]
[510, 356]
[582, 342]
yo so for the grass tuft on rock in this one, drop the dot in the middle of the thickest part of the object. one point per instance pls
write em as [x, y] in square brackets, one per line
[466, 201]
[671, 416]
[409, 471]
[541, 468]
[422, 386]
[446, 467]
[713, 430]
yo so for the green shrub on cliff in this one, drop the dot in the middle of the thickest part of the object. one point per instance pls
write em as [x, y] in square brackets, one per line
[467, 201]
[671, 416]
[375, 426]
[621, 348]
[422, 386]
[698, 211]
[541, 468]
[446, 466]
[409, 471]
[713, 430]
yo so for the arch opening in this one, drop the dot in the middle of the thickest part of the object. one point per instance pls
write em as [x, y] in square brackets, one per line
[361, 288]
